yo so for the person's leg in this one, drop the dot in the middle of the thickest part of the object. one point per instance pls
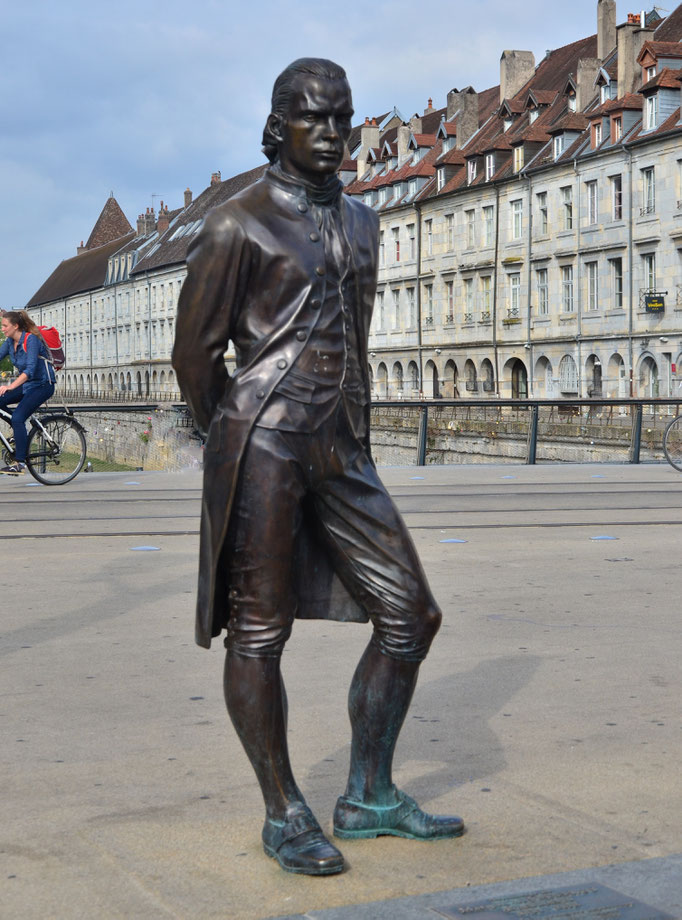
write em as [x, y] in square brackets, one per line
[28, 403]
[376, 559]
[259, 555]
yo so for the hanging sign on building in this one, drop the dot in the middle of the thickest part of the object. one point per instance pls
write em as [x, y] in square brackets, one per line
[654, 303]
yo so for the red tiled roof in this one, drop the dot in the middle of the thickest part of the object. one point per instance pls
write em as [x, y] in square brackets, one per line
[425, 140]
[666, 79]
[661, 49]
[670, 30]
[631, 101]
[571, 122]
[111, 225]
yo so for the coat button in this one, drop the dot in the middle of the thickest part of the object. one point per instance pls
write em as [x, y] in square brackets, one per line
[301, 336]
[314, 237]
[281, 364]
[316, 303]
[320, 270]
[260, 394]
[302, 207]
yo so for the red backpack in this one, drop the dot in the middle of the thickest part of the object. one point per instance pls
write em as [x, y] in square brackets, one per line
[54, 343]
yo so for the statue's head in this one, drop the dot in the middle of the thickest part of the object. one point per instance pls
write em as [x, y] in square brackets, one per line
[310, 119]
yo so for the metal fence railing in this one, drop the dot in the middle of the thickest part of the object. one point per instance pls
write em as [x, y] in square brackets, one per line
[406, 432]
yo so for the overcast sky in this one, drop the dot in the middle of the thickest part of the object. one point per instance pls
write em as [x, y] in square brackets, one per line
[146, 98]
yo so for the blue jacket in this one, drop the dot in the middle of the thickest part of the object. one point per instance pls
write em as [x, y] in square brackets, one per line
[33, 361]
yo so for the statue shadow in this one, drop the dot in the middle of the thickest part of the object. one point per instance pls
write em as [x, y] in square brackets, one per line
[447, 725]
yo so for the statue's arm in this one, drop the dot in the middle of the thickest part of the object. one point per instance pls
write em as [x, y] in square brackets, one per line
[206, 307]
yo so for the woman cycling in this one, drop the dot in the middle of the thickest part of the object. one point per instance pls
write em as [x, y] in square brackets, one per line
[36, 380]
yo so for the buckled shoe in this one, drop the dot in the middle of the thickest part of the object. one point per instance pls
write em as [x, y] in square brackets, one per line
[355, 820]
[298, 844]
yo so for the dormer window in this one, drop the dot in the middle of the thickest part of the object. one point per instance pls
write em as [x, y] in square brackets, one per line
[533, 115]
[471, 171]
[449, 143]
[518, 159]
[417, 155]
[489, 166]
[508, 122]
[617, 128]
[383, 195]
[413, 187]
[651, 111]
[651, 72]
[605, 93]
[572, 103]
[440, 178]
[596, 134]
[558, 146]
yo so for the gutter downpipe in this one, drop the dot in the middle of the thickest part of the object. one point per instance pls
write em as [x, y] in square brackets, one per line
[418, 292]
[531, 375]
[578, 285]
[497, 252]
[631, 320]
[92, 366]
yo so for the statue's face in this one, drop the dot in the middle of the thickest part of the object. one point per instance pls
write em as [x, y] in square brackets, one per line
[315, 128]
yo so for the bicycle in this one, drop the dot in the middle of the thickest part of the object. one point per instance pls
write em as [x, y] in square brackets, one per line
[672, 442]
[56, 447]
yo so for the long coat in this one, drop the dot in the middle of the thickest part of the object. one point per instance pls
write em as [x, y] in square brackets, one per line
[252, 274]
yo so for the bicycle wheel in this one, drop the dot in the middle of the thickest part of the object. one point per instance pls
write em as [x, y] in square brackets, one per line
[56, 456]
[672, 443]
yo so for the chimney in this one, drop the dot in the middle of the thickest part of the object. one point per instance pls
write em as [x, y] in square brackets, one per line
[215, 178]
[631, 37]
[588, 68]
[188, 197]
[369, 137]
[416, 124]
[163, 222]
[606, 27]
[80, 249]
[404, 132]
[516, 69]
[149, 222]
[140, 224]
[464, 104]
[429, 106]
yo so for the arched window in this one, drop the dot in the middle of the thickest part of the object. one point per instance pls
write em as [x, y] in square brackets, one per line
[488, 376]
[470, 372]
[568, 375]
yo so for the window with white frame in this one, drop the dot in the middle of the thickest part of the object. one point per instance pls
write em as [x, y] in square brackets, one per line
[471, 171]
[382, 248]
[616, 197]
[469, 220]
[567, 288]
[648, 190]
[541, 280]
[517, 219]
[489, 166]
[428, 226]
[411, 312]
[440, 178]
[469, 299]
[543, 216]
[380, 311]
[592, 285]
[617, 282]
[596, 134]
[450, 231]
[485, 284]
[396, 244]
[649, 270]
[428, 301]
[651, 111]
[450, 301]
[617, 131]
[567, 207]
[488, 225]
[650, 72]
[411, 242]
[568, 375]
[558, 146]
[514, 294]
[592, 202]
[518, 158]
[396, 308]
[533, 115]
[572, 103]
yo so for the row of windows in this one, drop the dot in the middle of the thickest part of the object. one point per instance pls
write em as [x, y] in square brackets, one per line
[476, 294]
[477, 231]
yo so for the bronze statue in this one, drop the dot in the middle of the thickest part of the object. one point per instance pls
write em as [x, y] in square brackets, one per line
[295, 520]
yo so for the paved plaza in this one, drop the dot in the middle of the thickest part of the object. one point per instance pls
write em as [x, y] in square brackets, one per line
[547, 714]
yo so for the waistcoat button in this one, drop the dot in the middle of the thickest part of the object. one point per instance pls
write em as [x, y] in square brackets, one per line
[301, 336]
[316, 303]
[281, 364]
[314, 237]
[302, 207]
[260, 394]
[320, 270]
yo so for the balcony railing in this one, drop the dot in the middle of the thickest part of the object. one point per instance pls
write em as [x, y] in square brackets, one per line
[647, 209]
[468, 317]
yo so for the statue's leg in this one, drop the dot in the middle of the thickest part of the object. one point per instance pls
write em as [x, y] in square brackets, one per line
[259, 559]
[377, 561]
